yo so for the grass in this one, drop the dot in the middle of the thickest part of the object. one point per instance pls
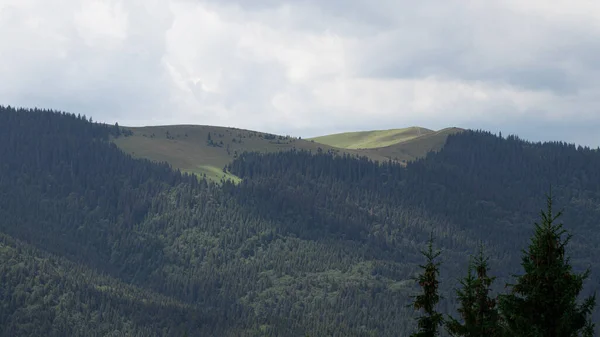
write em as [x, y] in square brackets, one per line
[414, 148]
[372, 139]
[187, 147]
[212, 173]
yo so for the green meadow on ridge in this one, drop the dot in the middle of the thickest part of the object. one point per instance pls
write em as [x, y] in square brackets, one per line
[205, 150]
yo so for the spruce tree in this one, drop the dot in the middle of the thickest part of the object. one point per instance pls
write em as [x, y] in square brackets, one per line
[428, 324]
[466, 297]
[543, 301]
[487, 317]
[478, 310]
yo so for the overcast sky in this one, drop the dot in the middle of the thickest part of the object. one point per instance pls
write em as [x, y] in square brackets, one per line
[311, 67]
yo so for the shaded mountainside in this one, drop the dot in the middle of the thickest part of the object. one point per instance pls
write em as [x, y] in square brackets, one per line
[48, 296]
[307, 243]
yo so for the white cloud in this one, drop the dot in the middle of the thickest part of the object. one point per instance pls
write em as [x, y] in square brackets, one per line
[308, 67]
[102, 22]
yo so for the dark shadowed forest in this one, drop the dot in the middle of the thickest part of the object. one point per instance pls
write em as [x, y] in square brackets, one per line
[96, 243]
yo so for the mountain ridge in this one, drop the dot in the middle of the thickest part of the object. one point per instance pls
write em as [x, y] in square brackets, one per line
[205, 150]
[369, 139]
[309, 243]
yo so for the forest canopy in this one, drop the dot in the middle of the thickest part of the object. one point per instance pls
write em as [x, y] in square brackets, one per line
[95, 242]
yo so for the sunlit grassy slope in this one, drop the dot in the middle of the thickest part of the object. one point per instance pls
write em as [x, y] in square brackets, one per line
[188, 148]
[372, 139]
[417, 147]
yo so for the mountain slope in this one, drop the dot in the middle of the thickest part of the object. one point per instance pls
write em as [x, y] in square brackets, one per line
[307, 243]
[44, 295]
[188, 147]
[371, 139]
[418, 147]
[206, 150]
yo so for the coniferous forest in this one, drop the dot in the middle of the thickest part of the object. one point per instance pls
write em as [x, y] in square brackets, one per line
[96, 243]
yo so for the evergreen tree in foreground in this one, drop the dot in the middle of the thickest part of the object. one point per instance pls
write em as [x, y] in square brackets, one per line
[428, 281]
[466, 297]
[543, 302]
[486, 311]
[477, 309]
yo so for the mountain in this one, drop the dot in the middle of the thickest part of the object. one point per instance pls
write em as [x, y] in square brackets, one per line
[96, 242]
[413, 148]
[401, 145]
[44, 295]
[371, 139]
[205, 150]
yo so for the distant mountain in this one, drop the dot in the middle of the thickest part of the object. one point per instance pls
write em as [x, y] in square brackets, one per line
[372, 139]
[416, 147]
[206, 150]
[401, 145]
[96, 242]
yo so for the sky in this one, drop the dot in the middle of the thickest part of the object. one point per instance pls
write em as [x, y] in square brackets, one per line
[311, 67]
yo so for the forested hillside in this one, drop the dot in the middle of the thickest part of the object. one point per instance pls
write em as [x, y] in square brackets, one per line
[94, 242]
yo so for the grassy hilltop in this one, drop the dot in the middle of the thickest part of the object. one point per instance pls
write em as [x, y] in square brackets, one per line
[413, 148]
[400, 145]
[205, 150]
[372, 139]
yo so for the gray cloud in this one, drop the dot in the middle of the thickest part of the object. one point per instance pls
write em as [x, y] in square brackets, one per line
[499, 47]
[310, 67]
[80, 65]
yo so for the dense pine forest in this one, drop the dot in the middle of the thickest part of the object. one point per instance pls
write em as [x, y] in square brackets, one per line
[96, 243]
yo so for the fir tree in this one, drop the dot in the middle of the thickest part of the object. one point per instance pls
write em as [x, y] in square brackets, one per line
[466, 297]
[477, 309]
[543, 301]
[487, 317]
[428, 281]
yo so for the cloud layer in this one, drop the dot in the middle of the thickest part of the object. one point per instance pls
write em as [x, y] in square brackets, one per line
[310, 67]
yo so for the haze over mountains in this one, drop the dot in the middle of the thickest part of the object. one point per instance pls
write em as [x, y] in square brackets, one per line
[323, 243]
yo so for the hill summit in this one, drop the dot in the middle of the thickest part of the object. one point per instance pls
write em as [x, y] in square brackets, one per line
[372, 139]
[206, 150]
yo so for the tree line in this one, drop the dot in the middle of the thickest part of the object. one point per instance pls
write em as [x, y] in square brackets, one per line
[94, 241]
[542, 302]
